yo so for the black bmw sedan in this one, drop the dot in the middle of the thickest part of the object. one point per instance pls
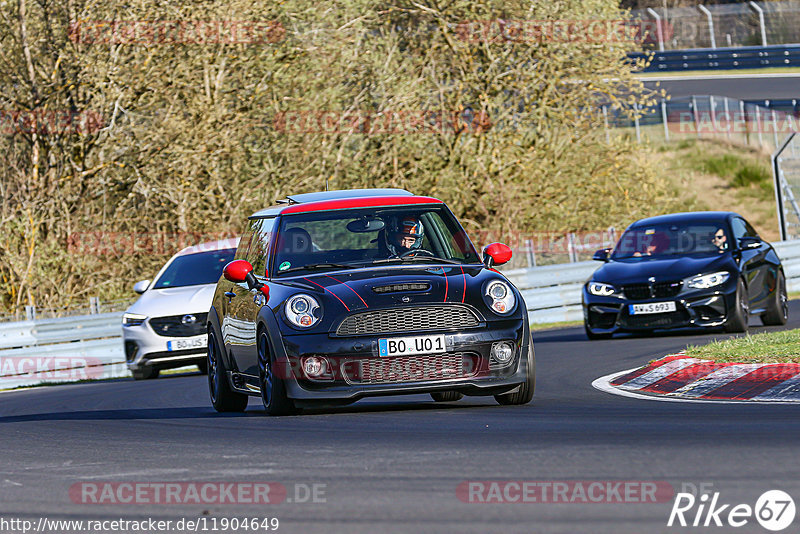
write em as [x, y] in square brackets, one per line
[685, 270]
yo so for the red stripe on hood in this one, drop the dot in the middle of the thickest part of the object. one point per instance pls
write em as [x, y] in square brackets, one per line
[329, 291]
[350, 288]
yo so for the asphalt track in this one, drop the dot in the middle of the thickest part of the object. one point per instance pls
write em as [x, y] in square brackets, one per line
[393, 464]
[742, 86]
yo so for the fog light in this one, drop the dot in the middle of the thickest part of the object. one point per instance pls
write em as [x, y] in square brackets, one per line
[314, 366]
[502, 352]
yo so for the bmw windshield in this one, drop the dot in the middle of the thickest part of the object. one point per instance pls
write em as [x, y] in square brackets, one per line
[664, 240]
[363, 237]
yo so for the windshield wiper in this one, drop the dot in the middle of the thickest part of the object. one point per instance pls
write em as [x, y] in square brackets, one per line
[315, 266]
[414, 258]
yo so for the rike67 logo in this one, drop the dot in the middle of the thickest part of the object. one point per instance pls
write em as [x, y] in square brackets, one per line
[774, 510]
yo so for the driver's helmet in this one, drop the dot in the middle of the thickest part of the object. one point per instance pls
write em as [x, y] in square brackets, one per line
[405, 233]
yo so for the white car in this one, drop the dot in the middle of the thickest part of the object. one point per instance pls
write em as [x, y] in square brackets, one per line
[166, 327]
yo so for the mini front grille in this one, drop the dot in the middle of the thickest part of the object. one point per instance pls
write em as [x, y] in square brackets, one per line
[408, 319]
[179, 325]
[649, 291]
[401, 288]
[411, 368]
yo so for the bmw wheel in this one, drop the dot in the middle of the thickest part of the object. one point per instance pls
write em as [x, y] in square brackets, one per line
[273, 388]
[223, 398]
[739, 316]
[778, 309]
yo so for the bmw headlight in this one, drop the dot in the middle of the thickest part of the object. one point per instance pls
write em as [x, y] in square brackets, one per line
[600, 289]
[499, 297]
[705, 281]
[133, 319]
[303, 311]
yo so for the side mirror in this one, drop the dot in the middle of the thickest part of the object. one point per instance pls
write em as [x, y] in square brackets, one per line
[237, 271]
[749, 242]
[496, 254]
[601, 255]
[240, 271]
[141, 286]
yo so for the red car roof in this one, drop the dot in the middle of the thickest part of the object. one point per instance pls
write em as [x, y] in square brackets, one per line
[363, 202]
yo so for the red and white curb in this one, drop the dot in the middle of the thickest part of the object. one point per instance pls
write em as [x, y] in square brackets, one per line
[678, 377]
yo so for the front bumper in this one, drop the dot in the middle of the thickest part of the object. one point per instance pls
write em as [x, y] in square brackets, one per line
[696, 308]
[146, 349]
[361, 372]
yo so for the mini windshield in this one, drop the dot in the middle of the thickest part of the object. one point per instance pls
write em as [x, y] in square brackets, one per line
[195, 269]
[361, 237]
[654, 241]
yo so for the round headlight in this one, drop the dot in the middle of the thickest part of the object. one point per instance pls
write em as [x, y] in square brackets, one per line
[303, 311]
[499, 297]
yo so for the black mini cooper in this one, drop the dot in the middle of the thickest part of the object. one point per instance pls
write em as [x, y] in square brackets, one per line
[702, 269]
[340, 295]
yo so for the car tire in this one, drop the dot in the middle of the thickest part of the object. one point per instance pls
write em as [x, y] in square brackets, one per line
[446, 396]
[273, 388]
[203, 366]
[778, 310]
[146, 373]
[737, 322]
[592, 336]
[525, 392]
[223, 398]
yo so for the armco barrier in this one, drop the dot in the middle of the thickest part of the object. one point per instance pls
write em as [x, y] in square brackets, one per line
[742, 57]
[55, 346]
[553, 293]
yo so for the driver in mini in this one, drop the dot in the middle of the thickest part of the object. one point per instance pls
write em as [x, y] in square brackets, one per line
[404, 235]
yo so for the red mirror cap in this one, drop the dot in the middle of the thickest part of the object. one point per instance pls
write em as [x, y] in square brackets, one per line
[236, 271]
[499, 253]
[264, 290]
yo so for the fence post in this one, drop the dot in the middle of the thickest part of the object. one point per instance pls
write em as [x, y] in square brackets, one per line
[605, 121]
[573, 255]
[702, 8]
[636, 123]
[727, 119]
[94, 305]
[695, 116]
[746, 122]
[659, 28]
[758, 126]
[713, 116]
[664, 118]
[760, 22]
[30, 313]
[531, 253]
[612, 235]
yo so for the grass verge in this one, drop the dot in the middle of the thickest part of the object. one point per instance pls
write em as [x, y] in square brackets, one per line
[768, 347]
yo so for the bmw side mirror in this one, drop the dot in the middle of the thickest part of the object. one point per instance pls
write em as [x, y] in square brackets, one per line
[141, 286]
[496, 254]
[601, 255]
[240, 271]
[749, 242]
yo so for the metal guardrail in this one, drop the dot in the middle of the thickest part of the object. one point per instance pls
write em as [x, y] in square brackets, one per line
[744, 57]
[553, 293]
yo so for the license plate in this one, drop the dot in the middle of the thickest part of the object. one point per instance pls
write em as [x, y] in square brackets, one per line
[651, 307]
[411, 345]
[197, 342]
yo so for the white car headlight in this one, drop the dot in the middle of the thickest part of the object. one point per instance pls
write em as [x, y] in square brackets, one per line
[705, 281]
[301, 310]
[600, 289]
[133, 319]
[500, 297]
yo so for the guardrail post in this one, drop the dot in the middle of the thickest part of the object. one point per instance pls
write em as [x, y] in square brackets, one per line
[703, 8]
[760, 12]
[659, 30]
[664, 119]
[573, 254]
[30, 313]
[94, 305]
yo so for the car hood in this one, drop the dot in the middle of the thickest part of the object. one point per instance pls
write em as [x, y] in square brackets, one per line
[353, 290]
[174, 301]
[635, 270]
